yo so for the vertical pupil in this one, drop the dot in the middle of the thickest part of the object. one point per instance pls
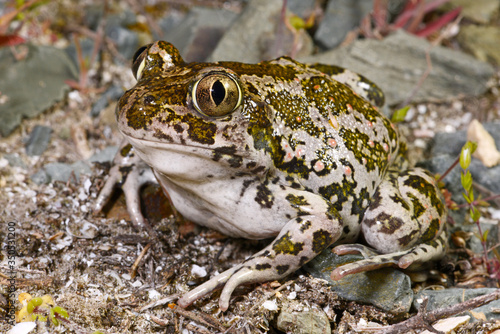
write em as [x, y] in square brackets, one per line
[218, 92]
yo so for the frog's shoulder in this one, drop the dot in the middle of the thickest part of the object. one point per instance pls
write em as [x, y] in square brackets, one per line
[358, 83]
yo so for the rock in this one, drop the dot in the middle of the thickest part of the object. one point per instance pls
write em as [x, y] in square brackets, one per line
[448, 297]
[302, 8]
[258, 33]
[486, 150]
[15, 160]
[397, 63]
[106, 155]
[480, 11]
[297, 320]
[386, 288]
[199, 32]
[31, 85]
[112, 94]
[38, 140]
[57, 171]
[482, 42]
[341, 16]
[449, 325]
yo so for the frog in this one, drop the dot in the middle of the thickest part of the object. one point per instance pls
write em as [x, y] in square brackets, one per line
[299, 153]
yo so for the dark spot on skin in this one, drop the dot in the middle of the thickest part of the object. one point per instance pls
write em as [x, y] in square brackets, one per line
[164, 137]
[285, 245]
[178, 128]
[251, 164]
[407, 239]
[357, 208]
[259, 170]
[275, 180]
[387, 223]
[264, 196]
[418, 208]
[305, 226]
[303, 260]
[281, 269]
[246, 184]
[124, 171]
[296, 201]
[127, 151]
[346, 230]
[321, 240]
[263, 266]
[149, 99]
[431, 231]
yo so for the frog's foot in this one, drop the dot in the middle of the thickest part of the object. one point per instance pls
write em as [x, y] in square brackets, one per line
[301, 239]
[408, 259]
[130, 173]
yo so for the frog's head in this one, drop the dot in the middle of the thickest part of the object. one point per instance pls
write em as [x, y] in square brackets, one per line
[183, 112]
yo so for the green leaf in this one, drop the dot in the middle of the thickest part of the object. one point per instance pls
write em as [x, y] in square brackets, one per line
[485, 235]
[466, 154]
[475, 214]
[33, 303]
[400, 114]
[466, 180]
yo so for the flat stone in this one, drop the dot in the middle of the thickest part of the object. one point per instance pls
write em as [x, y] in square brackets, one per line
[105, 155]
[341, 16]
[449, 297]
[386, 288]
[38, 140]
[199, 32]
[33, 84]
[293, 319]
[482, 42]
[57, 171]
[258, 34]
[397, 63]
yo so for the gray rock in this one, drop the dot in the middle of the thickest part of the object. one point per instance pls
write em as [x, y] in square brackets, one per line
[386, 288]
[397, 63]
[448, 297]
[57, 171]
[341, 16]
[126, 41]
[302, 8]
[199, 32]
[33, 84]
[113, 93]
[15, 160]
[242, 42]
[169, 22]
[38, 140]
[105, 155]
[300, 321]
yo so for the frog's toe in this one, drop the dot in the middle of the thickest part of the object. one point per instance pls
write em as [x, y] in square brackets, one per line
[371, 263]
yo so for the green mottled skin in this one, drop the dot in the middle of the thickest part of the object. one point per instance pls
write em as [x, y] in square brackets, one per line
[305, 157]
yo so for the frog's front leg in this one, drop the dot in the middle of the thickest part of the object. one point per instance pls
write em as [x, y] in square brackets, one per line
[130, 173]
[315, 227]
[405, 221]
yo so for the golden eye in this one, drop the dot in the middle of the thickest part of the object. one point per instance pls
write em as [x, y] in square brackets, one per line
[138, 61]
[216, 94]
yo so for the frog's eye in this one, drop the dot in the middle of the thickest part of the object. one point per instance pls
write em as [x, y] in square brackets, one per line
[138, 61]
[216, 94]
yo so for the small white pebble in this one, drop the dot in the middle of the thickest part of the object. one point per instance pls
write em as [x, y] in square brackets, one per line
[153, 294]
[292, 295]
[270, 305]
[196, 270]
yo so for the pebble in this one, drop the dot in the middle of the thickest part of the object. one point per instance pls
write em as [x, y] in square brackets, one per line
[294, 319]
[38, 140]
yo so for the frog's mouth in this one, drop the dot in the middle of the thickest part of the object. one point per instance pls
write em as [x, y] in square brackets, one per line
[189, 161]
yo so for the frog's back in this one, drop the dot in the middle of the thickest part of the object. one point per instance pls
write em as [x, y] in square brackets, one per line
[321, 135]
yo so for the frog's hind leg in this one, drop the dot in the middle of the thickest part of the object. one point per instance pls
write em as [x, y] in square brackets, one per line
[301, 239]
[404, 224]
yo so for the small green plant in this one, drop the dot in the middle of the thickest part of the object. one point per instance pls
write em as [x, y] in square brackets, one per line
[39, 308]
[473, 204]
